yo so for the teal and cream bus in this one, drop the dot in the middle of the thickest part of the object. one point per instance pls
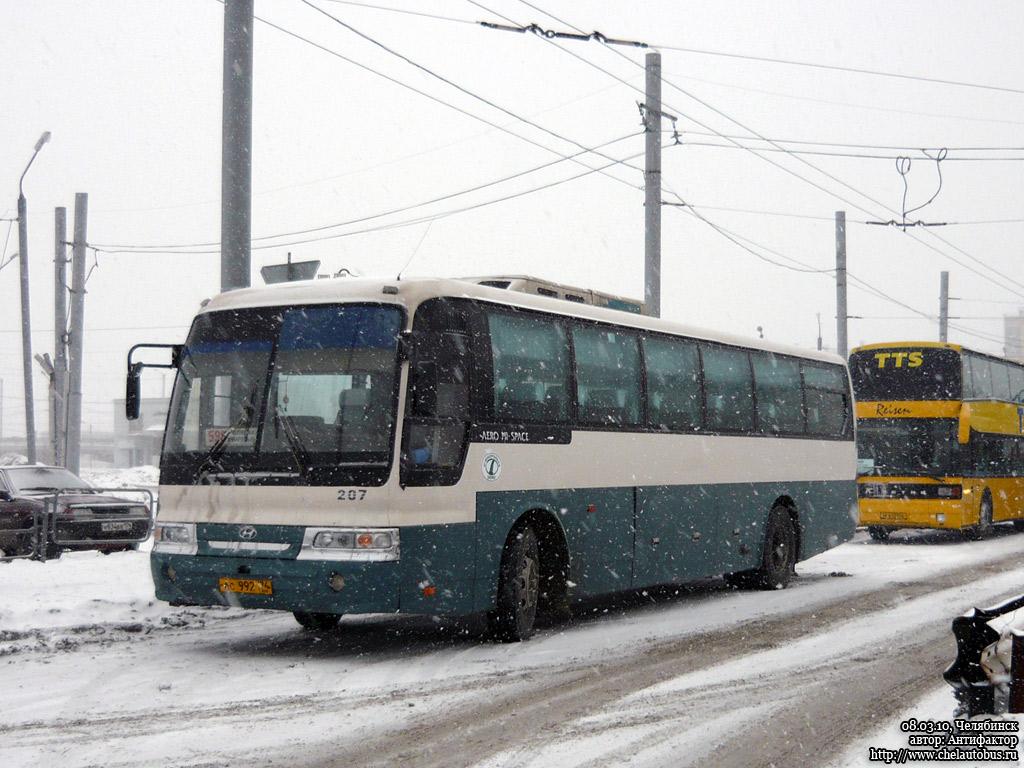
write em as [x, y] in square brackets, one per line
[441, 446]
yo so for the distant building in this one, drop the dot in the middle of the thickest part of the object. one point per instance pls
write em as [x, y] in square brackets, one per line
[1013, 335]
[137, 443]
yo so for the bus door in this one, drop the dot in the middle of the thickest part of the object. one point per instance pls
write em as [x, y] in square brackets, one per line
[438, 404]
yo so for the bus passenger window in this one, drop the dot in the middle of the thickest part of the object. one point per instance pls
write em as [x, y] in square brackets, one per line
[530, 358]
[827, 401]
[780, 407]
[729, 389]
[673, 384]
[608, 376]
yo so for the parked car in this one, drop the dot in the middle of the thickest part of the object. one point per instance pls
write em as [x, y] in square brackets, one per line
[47, 510]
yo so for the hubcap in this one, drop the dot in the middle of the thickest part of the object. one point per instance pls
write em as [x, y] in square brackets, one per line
[529, 584]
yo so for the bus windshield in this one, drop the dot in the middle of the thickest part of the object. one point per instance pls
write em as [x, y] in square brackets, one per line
[291, 390]
[907, 447]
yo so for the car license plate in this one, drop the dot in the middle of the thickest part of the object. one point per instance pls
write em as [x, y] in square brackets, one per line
[247, 586]
[115, 527]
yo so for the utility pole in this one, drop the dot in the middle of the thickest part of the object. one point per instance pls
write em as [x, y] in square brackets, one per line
[74, 425]
[841, 344]
[236, 143]
[944, 307]
[26, 315]
[47, 365]
[652, 186]
[60, 331]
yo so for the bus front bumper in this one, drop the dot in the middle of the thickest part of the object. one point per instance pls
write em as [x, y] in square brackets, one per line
[284, 585]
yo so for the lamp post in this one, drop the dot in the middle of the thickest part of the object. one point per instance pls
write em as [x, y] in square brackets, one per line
[26, 327]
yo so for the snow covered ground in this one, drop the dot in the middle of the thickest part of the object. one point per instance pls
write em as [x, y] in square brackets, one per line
[84, 646]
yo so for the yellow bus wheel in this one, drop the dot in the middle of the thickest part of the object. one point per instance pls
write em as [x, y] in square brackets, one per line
[984, 520]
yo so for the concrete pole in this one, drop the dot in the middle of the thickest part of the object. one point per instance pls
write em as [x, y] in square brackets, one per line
[236, 142]
[943, 306]
[841, 342]
[26, 331]
[60, 330]
[73, 460]
[652, 187]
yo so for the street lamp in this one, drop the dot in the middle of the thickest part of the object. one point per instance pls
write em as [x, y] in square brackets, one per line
[26, 327]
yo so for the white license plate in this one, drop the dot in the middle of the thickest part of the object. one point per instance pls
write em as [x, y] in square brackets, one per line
[115, 527]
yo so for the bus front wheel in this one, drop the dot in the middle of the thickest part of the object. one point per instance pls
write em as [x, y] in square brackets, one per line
[778, 560]
[879, 532]
[318, 622]
[518, 588]
[984, 520]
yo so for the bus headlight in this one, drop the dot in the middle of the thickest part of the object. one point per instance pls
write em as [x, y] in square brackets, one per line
[356, 544]
[175, 538]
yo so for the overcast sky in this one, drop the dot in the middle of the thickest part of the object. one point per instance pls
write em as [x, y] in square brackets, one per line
[351, 142]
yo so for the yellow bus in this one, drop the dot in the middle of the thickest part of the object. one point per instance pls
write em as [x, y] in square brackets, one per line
[940, 437]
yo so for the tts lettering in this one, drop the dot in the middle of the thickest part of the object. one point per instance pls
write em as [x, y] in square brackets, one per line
[912, 359]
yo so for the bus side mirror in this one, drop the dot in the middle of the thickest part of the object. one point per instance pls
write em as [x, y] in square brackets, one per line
[405, 346]
[132, 391]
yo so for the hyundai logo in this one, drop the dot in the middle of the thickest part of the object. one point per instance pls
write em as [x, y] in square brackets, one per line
[246, 532]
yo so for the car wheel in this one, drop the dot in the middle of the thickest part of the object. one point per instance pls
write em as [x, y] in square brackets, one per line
[518, 588]
[778, 560]
[318, 622]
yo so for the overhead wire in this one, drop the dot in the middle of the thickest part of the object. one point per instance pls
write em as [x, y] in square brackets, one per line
[725, 54]
[832, 177]
[198, 247]
[459, 88]
[152, 250]
[838, 68]
[122, 248]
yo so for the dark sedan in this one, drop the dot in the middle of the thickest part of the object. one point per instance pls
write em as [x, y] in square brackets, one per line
[47, 510]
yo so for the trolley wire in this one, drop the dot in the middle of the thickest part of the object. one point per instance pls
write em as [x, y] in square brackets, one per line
[1002, 276]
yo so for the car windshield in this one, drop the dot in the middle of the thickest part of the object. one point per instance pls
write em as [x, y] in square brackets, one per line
[23, 479]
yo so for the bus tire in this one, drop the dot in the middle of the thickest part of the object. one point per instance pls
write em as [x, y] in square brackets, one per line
[778, 560]
[879, 532]
[518, 588]
[317, 622]
[984, 526]
[1018, 524]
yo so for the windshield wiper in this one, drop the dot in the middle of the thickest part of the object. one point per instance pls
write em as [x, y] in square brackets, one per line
[299, 452]
[211, 462]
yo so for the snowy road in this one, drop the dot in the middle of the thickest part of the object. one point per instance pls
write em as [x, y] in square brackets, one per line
[94, 673]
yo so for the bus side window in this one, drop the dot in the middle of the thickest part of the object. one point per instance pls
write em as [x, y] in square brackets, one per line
[827, 401]
[530, 364]
[779, 398]
[729, 389]
[673, 384]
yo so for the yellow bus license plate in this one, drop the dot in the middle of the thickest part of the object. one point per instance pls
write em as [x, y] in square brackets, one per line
[247, 586]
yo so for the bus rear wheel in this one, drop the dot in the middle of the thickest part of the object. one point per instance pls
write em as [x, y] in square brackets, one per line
[318, 622]
[778, 560]
[518, 588]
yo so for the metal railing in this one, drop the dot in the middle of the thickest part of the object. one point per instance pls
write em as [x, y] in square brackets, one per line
[34, 536]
